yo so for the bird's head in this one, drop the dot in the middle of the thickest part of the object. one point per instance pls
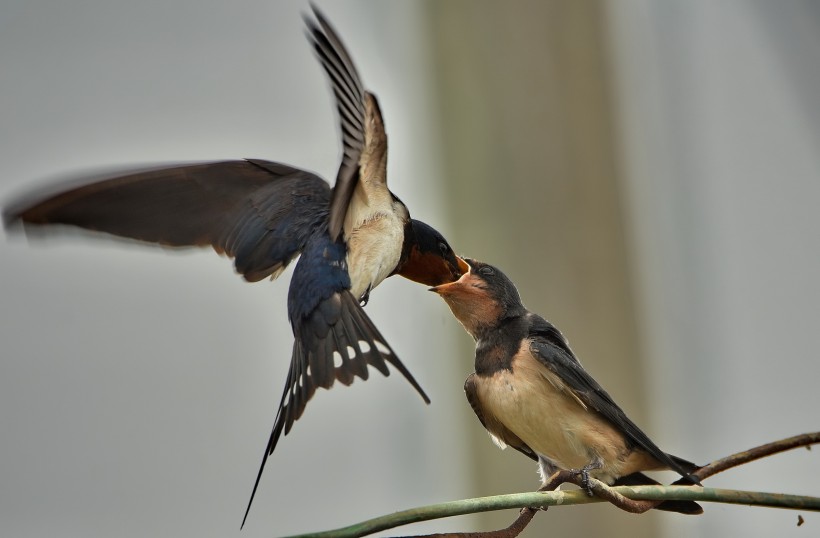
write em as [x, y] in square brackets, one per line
[481, 298]
[428, 258]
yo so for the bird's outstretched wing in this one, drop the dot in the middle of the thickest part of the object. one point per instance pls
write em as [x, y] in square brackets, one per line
[334, 339]
[551, 349]
[259, 212]
[349, 95]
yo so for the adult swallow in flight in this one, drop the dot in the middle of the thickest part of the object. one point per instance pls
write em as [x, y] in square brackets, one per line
[531, 393]
[263, 214]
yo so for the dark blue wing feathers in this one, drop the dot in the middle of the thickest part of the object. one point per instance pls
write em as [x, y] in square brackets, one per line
[550, 347]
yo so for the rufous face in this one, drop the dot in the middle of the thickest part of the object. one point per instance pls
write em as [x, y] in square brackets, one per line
[471, 302]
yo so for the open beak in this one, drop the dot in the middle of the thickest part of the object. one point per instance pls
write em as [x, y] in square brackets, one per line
[433, 269]
[448, 287]
[463, 266]
[455, 271]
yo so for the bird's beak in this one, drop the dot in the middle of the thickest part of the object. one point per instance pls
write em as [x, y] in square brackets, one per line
[449, 271]
[463, 266]
[449, 287]
[432, 269]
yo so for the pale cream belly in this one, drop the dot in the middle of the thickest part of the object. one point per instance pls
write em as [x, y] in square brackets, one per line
[374, 250]
[533, 404]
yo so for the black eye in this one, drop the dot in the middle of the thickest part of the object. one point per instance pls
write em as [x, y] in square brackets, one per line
[486, 270]
[444, 247]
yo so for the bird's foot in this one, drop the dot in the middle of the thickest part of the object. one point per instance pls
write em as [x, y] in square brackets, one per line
[584, 473]
[365, 298]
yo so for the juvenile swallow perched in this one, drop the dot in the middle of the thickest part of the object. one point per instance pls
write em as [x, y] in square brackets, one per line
[530, 392]
[263, 214]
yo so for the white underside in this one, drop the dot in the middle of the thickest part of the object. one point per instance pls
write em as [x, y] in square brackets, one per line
[374, 232]
[373, 252]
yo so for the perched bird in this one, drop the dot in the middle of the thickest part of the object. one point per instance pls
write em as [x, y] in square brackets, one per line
[263, 214]
[531, 393]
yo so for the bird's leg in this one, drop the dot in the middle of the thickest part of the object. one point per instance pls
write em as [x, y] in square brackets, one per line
[584, 472]
[551, 478]
[596, 487]
[363, 300]
[558, 478]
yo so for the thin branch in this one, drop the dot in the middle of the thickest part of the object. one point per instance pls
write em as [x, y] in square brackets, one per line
[762, 451]
[542, 499]
[717, 466]
[618, 495]
[516, 528]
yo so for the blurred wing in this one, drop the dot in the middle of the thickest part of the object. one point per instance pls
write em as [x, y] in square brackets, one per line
[258, 212]
[349, 94]
[551, 349]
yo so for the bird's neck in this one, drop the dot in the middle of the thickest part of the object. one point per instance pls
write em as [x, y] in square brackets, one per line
[496, 346]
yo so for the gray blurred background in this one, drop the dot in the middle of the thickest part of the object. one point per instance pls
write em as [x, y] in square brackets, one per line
[647, 172]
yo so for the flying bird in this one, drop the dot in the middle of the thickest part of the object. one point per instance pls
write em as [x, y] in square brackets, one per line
[530, 392]
[263, 214]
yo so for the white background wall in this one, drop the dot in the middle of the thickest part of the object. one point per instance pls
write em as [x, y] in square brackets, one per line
[720, 130]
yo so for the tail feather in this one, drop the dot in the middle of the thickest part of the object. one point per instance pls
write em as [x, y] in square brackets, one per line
[313, 362]
[357, 361]
[358, 324]
[682, 507]
[687, 466]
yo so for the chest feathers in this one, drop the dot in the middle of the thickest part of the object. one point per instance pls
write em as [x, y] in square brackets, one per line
[374, 232]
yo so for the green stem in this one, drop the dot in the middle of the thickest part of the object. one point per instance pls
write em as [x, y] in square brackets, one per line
[554, 498]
